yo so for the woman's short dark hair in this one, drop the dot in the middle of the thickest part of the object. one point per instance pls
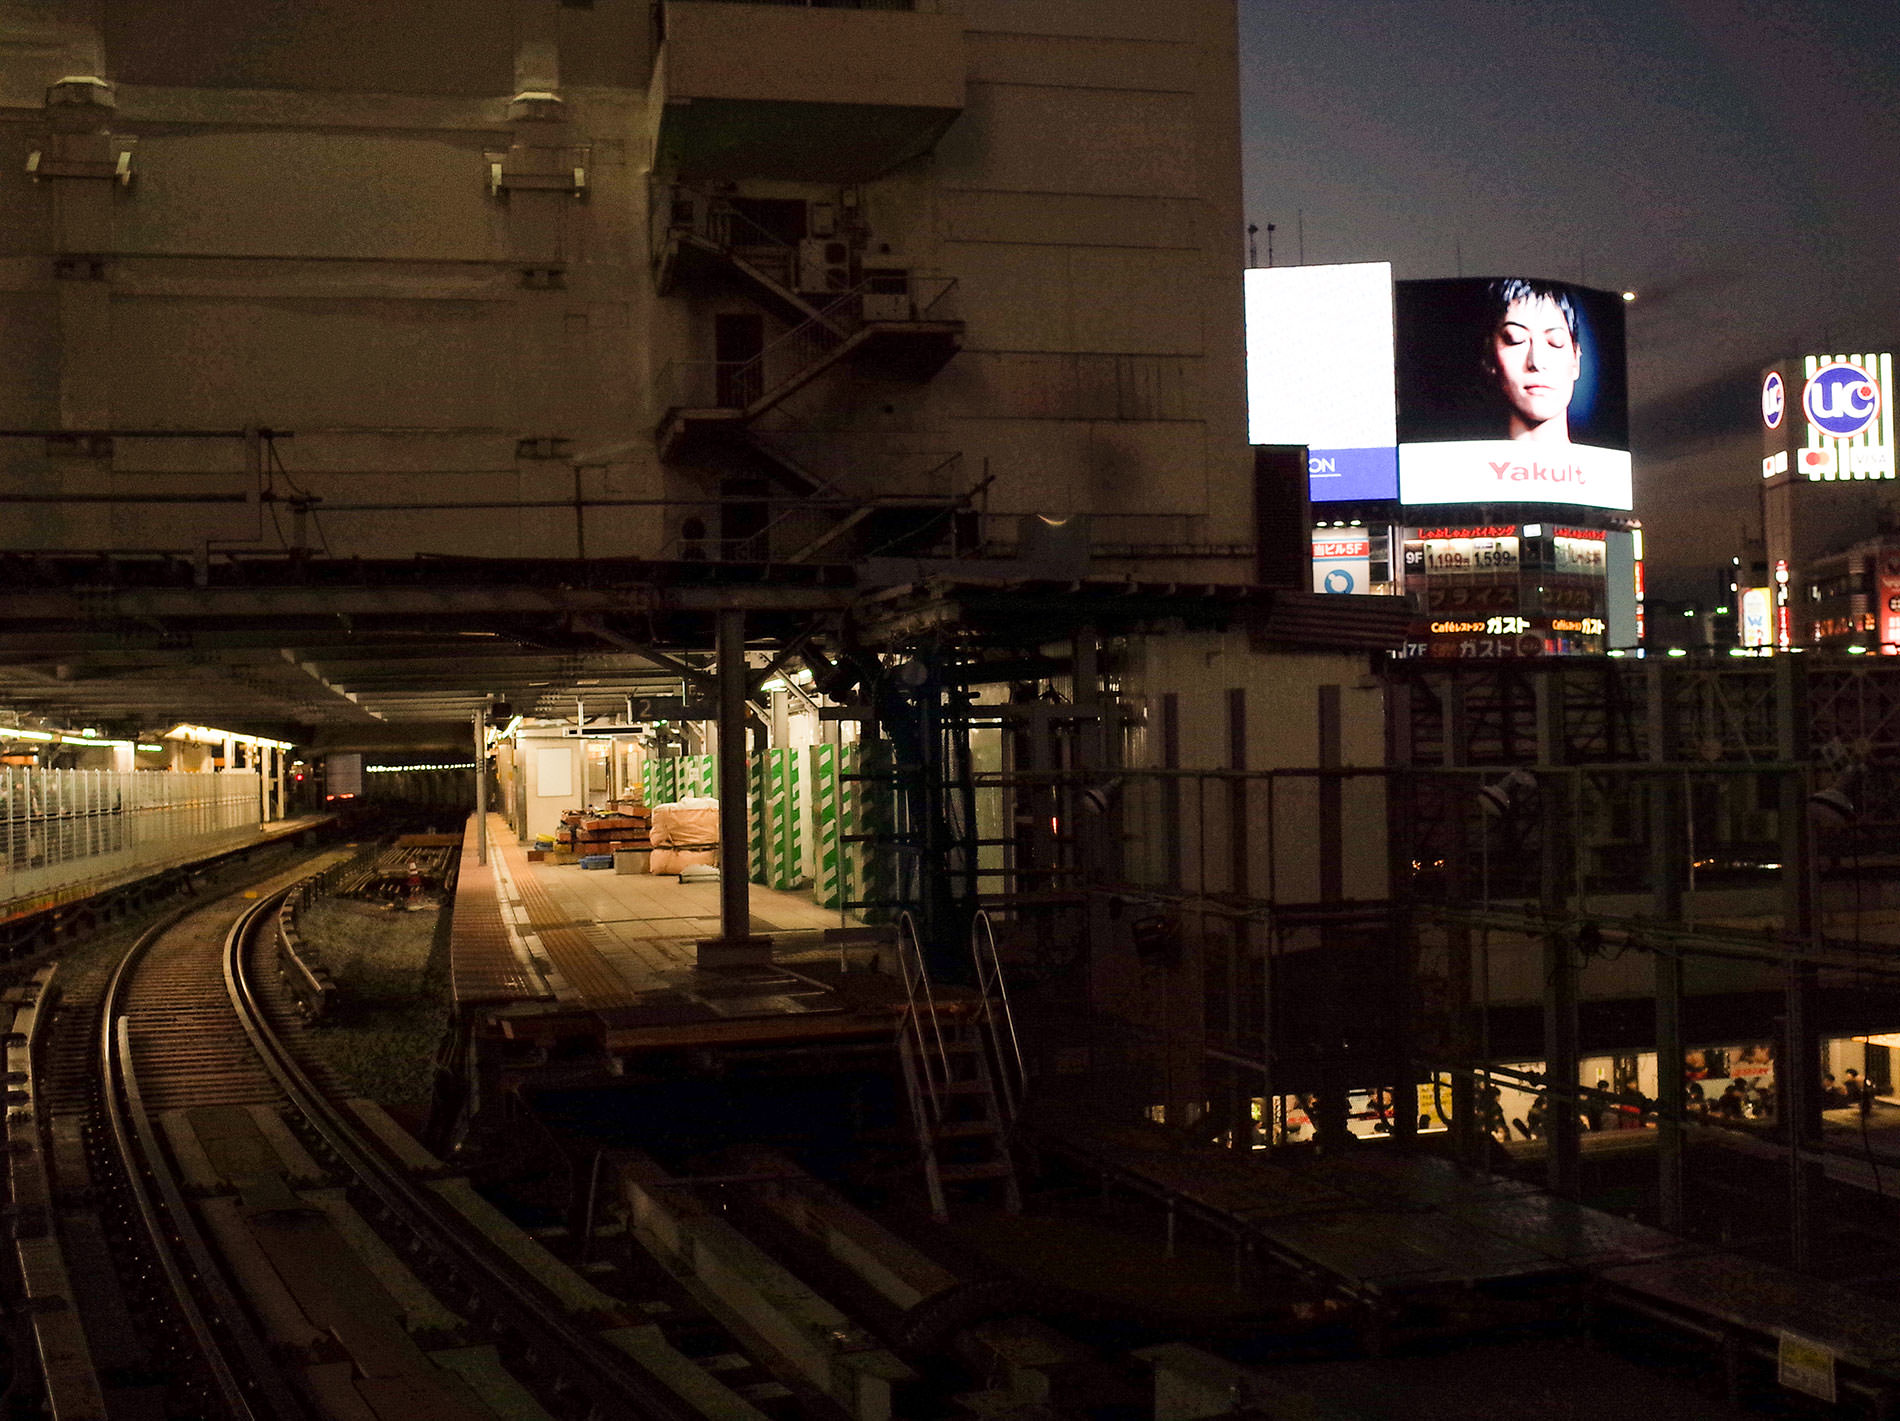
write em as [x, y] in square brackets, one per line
[1507, 292]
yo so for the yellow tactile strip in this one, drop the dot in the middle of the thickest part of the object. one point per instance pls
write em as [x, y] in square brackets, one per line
[566, 945]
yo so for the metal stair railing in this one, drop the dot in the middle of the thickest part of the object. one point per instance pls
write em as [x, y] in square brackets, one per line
[800, 355]
[999, 1021]
[910, 963]
[926, 1077]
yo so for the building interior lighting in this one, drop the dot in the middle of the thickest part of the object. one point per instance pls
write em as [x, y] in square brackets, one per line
[1629, 295]
[205, 735]
[1677, 651]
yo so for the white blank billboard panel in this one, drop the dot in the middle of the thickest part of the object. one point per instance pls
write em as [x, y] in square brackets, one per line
[1320, 356]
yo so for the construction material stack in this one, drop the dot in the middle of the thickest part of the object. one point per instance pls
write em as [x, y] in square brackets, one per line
[595, 835]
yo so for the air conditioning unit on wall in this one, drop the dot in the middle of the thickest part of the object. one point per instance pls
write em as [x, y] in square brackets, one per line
[886, 292]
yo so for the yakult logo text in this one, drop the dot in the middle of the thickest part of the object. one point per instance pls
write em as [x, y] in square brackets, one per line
[1508, 472]
[1841, 400]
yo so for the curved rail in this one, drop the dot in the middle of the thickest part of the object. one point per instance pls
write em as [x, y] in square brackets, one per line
[615, 1385]
[255, 1387]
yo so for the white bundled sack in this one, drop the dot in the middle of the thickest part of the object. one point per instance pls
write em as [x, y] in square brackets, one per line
[686, 824]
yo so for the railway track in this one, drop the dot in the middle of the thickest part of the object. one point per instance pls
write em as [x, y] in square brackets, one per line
[241, 1239]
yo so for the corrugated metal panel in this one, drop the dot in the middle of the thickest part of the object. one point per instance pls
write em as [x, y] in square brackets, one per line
[1334, 620]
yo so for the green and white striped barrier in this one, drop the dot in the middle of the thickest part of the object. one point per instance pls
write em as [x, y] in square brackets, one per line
[827, 888]
[783, 811]
[755, 816]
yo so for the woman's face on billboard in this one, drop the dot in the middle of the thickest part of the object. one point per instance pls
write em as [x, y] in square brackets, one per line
[1537, 364]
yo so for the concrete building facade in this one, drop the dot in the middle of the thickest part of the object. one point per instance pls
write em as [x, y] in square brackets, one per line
[525, 279]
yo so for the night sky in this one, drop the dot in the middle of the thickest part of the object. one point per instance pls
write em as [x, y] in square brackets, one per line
[1735, 162]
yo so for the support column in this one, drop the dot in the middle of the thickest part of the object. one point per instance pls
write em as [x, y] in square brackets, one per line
[283, 784]
[1467, 1129]
[1798, 1073]
[480, 719]
[1666, 854]
[1330, 1129]
[1555, 788]
[735, 943]
[1400, 802]
[1236, 1080]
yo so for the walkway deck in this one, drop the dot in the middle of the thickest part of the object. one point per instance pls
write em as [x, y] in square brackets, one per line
[558, 941]
[1382, 1228]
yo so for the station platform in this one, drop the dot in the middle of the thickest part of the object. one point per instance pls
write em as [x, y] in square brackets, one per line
[542, 949]
[101, 888]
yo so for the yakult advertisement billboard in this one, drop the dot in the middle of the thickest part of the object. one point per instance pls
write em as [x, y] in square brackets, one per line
[1511, 391]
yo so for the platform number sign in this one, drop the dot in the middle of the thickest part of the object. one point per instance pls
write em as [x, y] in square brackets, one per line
[1804, 1365]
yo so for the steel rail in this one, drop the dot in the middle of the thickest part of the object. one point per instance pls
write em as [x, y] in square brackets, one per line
[616, 1384]
[189, 1266]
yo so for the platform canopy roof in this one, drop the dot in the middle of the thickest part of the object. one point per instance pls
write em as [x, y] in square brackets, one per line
[327, 653]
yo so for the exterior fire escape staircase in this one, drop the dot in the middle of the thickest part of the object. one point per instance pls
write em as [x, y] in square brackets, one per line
[895, 324]
[891, 331]
[963, 1072]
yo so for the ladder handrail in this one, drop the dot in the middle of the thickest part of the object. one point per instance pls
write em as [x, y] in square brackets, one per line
[989, 975]
[910, 963]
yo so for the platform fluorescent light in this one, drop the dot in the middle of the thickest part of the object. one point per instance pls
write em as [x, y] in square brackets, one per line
[27, 735]
[205, 735]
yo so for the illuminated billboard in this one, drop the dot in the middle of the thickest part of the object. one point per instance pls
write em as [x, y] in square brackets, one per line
[1829, 418]
[1511, 391]
[1342, 561]
[1757, 617]
[1319, 373]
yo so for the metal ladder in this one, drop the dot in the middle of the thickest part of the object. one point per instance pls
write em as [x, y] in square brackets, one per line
[962, 1101]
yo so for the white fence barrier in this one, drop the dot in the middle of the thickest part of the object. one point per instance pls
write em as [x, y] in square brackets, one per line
[61, 830]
